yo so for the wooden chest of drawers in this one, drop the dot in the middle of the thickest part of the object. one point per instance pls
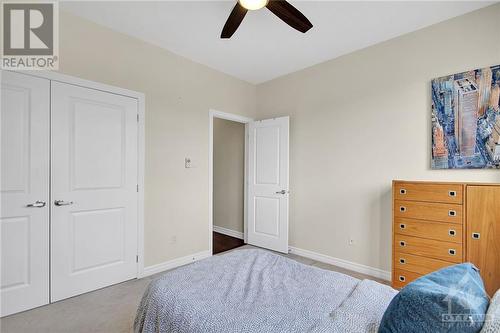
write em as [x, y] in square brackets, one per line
[428, 223]
[441, 224]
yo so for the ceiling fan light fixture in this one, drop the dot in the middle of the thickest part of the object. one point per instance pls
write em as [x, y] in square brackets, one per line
[282, 8]
[253, 4]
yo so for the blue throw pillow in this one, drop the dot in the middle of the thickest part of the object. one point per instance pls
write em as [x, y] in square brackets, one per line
[452, 299]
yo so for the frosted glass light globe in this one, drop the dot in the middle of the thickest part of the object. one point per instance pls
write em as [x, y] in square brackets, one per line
[253, 4]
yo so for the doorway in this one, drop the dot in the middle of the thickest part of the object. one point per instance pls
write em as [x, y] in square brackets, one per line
[265, 183]
[228, 181]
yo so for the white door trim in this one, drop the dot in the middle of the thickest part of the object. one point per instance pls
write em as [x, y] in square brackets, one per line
[56, 76]
[240, 119]
[59, 77]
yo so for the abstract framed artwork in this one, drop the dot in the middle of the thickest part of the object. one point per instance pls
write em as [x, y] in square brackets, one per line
[466, 120]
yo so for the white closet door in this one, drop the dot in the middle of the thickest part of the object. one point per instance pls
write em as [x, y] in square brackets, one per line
[94, 196]
[24, 181]
[268, 184]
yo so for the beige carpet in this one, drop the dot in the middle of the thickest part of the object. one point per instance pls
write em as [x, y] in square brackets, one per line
[109, 310]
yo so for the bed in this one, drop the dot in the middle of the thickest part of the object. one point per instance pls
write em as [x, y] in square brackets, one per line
[254, 290]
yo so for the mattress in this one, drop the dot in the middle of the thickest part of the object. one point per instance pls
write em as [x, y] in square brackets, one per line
[258, 291]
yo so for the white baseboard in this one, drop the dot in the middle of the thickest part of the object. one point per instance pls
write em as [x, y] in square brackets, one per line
[228, 232]
[372, 271]
[174, 263]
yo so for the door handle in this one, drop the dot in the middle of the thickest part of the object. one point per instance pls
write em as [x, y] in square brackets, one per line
[63, 203]
[36, 204]
[282, 192]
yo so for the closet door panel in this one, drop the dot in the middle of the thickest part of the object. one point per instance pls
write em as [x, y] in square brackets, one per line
[94, 179]
[483, 233]
[24, 172]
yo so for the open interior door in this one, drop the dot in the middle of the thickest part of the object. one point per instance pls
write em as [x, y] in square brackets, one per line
[267, 199]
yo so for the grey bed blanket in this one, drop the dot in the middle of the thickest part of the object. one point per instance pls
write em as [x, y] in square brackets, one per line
[258, 291]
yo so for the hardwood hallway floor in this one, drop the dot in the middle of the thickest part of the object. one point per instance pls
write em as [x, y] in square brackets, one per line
[223, 243]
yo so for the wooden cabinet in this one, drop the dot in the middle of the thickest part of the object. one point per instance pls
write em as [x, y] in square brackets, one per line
[439, 224]
[483, 233]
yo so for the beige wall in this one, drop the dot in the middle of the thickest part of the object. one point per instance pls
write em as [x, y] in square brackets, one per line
[179, 94]
[229, 174]
[363, 119]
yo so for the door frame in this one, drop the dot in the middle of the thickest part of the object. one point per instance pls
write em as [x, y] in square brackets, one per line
[141, 109]
[239, 119]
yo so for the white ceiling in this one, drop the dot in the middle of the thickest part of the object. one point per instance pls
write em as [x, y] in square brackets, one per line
[264, 47]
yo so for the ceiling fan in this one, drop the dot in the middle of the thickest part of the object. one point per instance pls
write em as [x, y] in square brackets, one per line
[281, 8]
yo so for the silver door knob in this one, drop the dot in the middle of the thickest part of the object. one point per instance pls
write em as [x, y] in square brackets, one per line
[36, 204]
[282, 192]
[62, 203]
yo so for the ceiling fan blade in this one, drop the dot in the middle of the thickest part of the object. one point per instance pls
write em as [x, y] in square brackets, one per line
[289, 14]
[233, 21]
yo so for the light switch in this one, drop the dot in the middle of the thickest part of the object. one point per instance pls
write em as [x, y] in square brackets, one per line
[187, 163]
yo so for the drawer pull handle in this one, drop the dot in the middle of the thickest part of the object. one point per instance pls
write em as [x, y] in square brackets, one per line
[402, 226]
[452, 232]
[402, 261]
[452, 193]
[402, 191]
[452, 213]
[452, 252]
[402, 243]
[402, 278]
[402, 209]
[476, 235]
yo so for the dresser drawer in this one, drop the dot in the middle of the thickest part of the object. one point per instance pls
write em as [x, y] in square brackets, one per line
[428, 248]
[448, 232]
[446, 193]
[428, 211]
[417, 264]
[401, 278]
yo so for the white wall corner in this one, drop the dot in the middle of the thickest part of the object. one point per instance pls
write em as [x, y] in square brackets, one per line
[229, 232]
[174, 263]
[372, 271]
